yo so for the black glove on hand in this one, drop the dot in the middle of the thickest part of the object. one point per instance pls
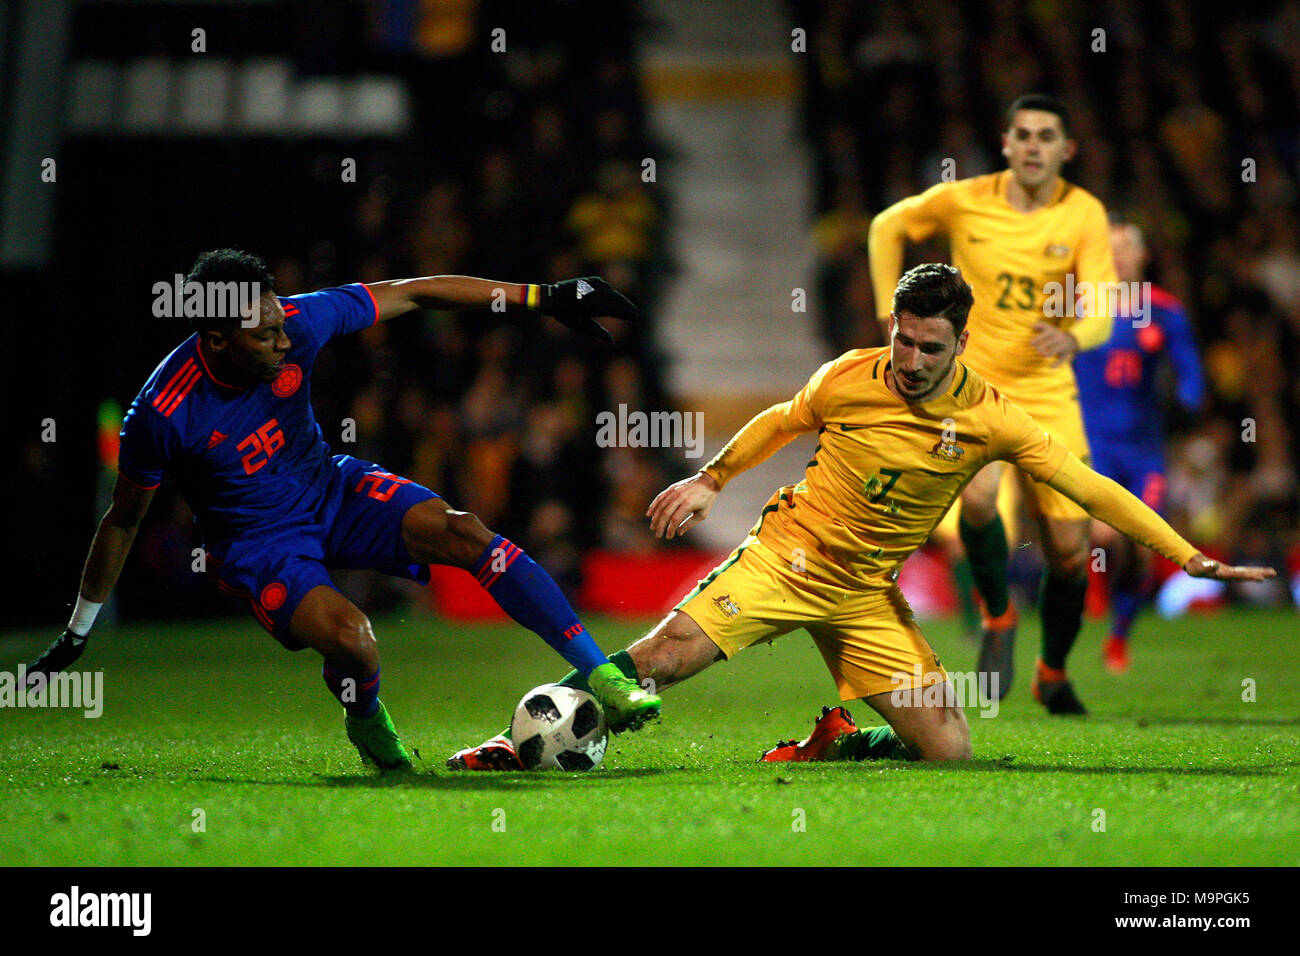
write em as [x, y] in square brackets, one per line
[576, 302]
[65, 649]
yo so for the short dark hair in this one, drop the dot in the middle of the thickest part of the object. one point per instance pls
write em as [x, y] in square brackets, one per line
[935, 289]
[228, 265]
[1040, 101]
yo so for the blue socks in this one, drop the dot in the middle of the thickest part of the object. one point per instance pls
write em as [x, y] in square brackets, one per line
[359, 698]
[528, 594]
[1124, 608]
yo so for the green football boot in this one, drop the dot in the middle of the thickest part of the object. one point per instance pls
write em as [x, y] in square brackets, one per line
[626, 703]
[376, 740]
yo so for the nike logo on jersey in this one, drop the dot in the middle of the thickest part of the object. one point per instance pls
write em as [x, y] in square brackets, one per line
[584, 288]
[851, 428]
[215, 439]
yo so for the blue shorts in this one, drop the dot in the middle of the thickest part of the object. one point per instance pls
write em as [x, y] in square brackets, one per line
[1139, 468]
[357, 524]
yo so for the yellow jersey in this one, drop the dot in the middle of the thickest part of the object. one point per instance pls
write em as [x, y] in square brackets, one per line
[885, 471]
[1023, 268]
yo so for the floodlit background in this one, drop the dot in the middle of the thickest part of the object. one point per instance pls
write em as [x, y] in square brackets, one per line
[712, 160]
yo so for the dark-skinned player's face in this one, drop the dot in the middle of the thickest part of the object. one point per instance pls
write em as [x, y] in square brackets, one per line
[922, 354]
[1036, 147]
[255, 352]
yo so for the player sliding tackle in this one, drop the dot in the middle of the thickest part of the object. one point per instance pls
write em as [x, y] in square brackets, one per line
[903, 429]
[228, 414]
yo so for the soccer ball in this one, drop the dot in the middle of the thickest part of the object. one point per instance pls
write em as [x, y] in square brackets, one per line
[559, 727]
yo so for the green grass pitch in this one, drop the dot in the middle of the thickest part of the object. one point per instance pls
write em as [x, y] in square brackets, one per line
[214, 717]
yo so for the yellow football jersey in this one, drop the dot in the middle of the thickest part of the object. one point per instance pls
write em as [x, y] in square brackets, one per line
[884, 471]
[1023, 268]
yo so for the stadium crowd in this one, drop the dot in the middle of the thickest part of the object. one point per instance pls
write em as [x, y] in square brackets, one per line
[1209, 169]
[540, 180]
[526, 167]
[523, 167]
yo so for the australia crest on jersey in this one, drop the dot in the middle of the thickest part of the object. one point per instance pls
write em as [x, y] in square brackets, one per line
[947, 451]
[726, 605]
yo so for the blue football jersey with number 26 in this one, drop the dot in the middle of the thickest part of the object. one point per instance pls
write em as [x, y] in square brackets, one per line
[244, 458]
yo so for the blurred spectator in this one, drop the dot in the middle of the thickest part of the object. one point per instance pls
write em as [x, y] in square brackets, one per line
[616, 220]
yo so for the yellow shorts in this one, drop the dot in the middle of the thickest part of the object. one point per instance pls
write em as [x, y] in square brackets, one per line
[868, 638]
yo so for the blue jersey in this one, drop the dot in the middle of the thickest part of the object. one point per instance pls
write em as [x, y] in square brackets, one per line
[245, 459]
[1117, 382]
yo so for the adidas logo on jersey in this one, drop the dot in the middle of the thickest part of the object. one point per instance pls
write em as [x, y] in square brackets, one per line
[215, 439]
[584, 288]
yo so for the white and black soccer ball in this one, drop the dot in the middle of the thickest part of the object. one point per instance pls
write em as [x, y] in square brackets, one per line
[559, 727]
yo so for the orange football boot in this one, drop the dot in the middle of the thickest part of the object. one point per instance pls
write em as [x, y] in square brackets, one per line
[495, 754]
[1114, 655]
[833, 724]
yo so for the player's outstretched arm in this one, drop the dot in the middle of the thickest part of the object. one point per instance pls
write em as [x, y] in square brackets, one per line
[108, 551]
[1110, 502]
[576, 303]
[765, 434]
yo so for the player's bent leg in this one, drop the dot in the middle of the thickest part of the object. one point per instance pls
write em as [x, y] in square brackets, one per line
[335, 627]
[675, 650]
[434, 532]
[328, 622]
[1065, 586]
[925, 721]
[1065, 546]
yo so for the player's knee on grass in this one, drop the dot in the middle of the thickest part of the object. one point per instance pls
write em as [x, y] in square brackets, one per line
[947, 748]
[945, 737]
[932, 731]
